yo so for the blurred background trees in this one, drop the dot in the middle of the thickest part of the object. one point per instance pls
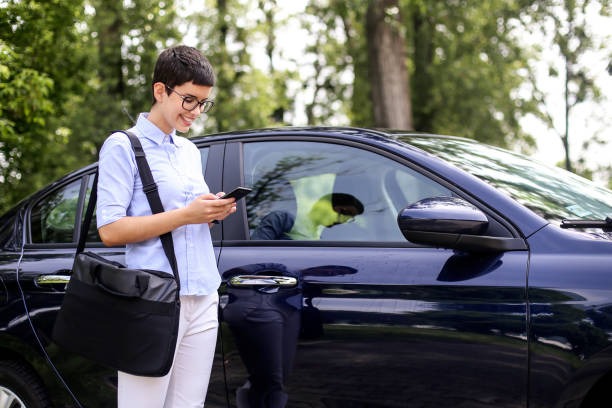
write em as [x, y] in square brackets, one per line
[71, 71]
[571, 32]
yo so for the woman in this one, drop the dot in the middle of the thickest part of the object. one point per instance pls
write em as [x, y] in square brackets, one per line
[182, 82]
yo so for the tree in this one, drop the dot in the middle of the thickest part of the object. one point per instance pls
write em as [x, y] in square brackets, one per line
[60, 105]
[455, 67]
[468, 69]
[123, 40]
[334, 63]
[247, 96]
[24, 106]
[464, 67]
[36, 82]
[565, 23]
[388, 71]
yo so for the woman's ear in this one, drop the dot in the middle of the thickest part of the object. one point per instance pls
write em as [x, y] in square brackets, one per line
[159, 90]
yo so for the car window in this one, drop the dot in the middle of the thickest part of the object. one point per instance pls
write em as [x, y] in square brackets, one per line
[52, 219]
[7, 228]
[329, 192]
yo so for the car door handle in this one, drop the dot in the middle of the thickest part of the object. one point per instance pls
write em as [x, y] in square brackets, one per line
[262, 280]
[51, 279]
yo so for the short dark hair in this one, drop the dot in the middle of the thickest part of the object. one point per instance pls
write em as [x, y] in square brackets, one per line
[179, 64]
[349, 200]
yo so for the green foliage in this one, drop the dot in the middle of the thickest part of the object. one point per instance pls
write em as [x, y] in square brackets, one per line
[78, 70]
[246, 96]
[36, 80]
[465, 66]
[124, 39]
[333, 61]
[71, 71]
[473, 66]
[570, 31]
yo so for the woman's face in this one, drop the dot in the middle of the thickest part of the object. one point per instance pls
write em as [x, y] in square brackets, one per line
[169, 112]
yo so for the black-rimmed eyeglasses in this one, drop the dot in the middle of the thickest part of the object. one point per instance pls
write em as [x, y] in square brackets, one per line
[191, 102]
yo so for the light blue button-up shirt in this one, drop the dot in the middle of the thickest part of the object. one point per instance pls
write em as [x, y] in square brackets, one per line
[176, 166]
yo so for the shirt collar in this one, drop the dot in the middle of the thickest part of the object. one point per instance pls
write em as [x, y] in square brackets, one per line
[150, 131]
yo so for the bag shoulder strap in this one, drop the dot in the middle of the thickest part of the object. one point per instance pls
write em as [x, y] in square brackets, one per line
[93, 197]
[150, 189]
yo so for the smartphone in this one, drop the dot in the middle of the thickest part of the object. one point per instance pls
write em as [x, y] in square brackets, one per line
[237, 193]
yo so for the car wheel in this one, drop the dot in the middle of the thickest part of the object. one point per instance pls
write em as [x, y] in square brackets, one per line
[20, 387]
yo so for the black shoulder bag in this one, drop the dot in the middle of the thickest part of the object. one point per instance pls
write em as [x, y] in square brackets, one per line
[123, 318]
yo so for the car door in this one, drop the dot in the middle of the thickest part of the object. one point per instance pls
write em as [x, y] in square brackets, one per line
[348, 313]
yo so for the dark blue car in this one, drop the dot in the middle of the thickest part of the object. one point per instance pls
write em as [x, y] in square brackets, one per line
[365, 269]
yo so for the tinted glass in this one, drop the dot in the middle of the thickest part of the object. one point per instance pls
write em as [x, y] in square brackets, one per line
[322, 191]
[7, 226]
[551, 192]
[52, 219]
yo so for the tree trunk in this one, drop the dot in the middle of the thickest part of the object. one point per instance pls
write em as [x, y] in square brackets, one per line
[110, 19]
[388, 71]
[225, 77]
[568, 107]
[422, 82]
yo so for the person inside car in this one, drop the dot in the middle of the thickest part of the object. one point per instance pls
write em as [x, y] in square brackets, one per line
[328, 211]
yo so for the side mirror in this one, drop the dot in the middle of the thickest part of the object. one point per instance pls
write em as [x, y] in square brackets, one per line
[453, 223]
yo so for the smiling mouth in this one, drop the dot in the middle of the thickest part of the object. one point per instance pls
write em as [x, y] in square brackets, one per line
[187, 120]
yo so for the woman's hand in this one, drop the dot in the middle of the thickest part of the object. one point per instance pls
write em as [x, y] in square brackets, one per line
[209, 207]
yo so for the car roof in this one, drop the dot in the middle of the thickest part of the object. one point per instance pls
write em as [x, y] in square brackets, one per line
[347, 132]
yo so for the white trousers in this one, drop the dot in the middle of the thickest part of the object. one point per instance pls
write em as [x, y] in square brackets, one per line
[186, 384]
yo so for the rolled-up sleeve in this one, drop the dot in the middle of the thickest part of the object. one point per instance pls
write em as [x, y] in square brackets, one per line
[116, 171]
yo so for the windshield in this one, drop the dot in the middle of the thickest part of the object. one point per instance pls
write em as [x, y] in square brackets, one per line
[551, 192]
